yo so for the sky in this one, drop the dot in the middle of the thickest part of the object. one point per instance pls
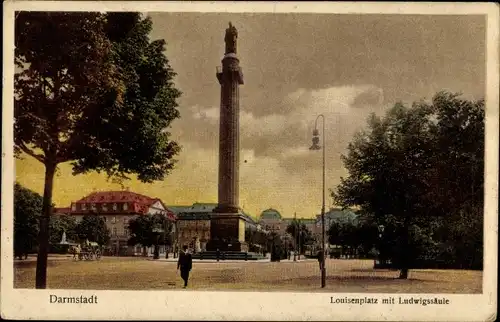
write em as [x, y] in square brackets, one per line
[295, 66]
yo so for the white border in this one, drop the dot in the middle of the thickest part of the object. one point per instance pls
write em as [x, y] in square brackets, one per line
[153, 305]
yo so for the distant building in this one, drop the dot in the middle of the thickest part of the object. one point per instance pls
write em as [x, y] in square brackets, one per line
[336, 215]
[271, 220]
[193, 224]
[117, 208]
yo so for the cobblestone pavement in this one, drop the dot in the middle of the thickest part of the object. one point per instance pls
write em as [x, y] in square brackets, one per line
[116, 273]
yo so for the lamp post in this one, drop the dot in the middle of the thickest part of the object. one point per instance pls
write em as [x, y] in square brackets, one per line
[295, 237]
[316, 146]
[380, 232]
[300, 233]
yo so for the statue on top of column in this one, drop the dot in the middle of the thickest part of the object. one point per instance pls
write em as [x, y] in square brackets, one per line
[230, 39]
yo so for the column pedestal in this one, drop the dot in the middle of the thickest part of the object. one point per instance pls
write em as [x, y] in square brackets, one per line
[227, 233]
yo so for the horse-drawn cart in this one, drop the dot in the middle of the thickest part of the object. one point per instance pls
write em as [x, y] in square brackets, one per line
[87, 251]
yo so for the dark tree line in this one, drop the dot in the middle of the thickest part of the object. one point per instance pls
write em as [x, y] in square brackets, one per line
[27, 212]
[418, 171]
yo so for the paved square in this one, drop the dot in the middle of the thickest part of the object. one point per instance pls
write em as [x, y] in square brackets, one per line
[111, 273]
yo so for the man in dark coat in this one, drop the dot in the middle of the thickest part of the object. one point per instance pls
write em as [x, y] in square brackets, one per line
[185, 263]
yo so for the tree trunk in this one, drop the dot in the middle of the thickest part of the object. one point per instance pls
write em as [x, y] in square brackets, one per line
[403, 273]
[43, 235]
[156, 251]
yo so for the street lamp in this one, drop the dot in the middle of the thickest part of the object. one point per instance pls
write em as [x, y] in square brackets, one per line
[380, 232]
[316, 146]
[300, 233]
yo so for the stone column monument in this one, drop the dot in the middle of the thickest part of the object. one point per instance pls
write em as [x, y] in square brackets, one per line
[227, 226]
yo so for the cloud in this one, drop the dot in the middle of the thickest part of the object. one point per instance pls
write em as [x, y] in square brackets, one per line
[285, 134]
[279, 165]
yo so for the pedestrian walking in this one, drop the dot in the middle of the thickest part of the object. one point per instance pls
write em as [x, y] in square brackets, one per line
[185, 264]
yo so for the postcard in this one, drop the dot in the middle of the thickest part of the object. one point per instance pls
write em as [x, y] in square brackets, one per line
[250, 161]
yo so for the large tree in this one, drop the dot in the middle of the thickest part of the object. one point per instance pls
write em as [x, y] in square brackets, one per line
[86, 83]
[92, 228]
[27, 210]
[361, 236]
[457, 189]
[150, 230]
[404, 168]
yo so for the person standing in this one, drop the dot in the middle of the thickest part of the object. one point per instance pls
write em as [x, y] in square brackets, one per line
[184, 264]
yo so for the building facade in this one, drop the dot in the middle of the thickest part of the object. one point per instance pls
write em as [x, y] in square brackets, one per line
[194, 224]
[117, 208]
[271, 220]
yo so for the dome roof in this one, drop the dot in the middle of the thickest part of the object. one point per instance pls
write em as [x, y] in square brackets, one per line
[270, 214]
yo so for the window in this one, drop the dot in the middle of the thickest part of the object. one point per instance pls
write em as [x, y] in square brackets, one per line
[84, 206]
[115, 231]
[92, 206]
[73, 207]
[115, 206]
[125, 221]
[125, 206]
[113, 220]
[104, 207]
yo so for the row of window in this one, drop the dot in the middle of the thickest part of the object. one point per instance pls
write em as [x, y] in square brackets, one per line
[114, 220]
[189, 234]
[193, 223]
[104, 207]
[115, 232]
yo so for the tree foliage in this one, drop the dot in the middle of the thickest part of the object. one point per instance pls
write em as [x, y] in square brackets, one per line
[92, 228]
[89, 82]
[149, 230]
[416, 168]
[256, 239]
[276, 247]
[86, 83]
[27, 210]
[60, 224]
[300, 234]
[360, 237]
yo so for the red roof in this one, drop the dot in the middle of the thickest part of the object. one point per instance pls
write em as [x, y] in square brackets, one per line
[137, 203]
[116, 196]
